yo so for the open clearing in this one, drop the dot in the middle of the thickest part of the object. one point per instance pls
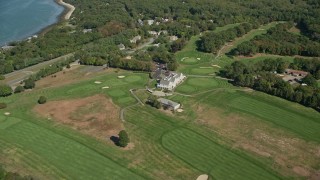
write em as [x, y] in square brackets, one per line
[96, 116]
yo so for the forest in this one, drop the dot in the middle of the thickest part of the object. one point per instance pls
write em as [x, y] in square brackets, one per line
[260, 76]
[115, 22]
[280, 41]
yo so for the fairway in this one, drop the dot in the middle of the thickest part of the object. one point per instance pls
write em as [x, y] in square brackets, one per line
[70, 159]
[212, 158]
[272, 109]
[197, 85]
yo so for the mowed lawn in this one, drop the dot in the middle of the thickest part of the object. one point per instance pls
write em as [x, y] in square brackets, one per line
[169, 147]
[210, 157]
[48, 150]
[194, 85]
[294, 118]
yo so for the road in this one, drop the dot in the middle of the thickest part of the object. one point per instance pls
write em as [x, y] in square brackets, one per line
[148, 43]
[14, 78]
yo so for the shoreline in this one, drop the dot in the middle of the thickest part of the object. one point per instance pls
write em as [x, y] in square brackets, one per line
[69, 9]
[65, 15]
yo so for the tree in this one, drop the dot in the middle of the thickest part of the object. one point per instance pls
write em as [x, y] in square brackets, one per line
[29, 83]
[18, 89]
[42, 100]
[310, 80]
[5, 90]
[123, 138]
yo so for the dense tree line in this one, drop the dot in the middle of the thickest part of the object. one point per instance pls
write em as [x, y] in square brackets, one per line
[212, 42]
[260, 77]
[279, 40]
[312, 66]
[118, 21]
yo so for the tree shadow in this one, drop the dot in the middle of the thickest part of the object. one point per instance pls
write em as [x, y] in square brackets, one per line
[115, 140]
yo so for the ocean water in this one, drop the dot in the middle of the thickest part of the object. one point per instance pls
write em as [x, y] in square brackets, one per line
[20, 19]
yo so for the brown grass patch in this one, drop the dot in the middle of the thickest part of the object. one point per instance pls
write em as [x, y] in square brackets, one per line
[96, 116]
[291, 156]
[67, 76]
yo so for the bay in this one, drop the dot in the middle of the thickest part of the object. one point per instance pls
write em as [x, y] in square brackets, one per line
[20, 19]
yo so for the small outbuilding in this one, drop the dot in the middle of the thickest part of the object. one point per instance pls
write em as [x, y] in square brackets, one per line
[169, 103]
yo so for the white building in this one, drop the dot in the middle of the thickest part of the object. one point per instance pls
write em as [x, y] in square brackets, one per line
[135, 39]
[169, 103]
[171, 81]
[150, 22]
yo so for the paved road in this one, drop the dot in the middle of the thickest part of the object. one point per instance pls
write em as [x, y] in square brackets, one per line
[14, 78]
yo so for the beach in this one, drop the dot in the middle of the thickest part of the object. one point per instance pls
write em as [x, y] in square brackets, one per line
[70, 9]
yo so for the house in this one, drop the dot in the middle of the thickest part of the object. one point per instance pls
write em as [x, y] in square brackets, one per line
[121, 47]
[87, 30]
[150, 22]
[153, 33]
[163, 32]
[171, 80]
[296, 73]
[135, 39]
[169, 103]
[140, 22]
[173, 38]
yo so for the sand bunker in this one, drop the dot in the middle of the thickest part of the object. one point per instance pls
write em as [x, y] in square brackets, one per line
[198, 59]
[203, 177]
[7, 113]
[121, 77]
[106, 87]
[214, 65]
[180, 110]
[97, 82]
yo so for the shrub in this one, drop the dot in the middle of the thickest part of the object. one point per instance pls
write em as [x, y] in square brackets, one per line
[2, 77]
[3, 105]
[123, 138]
[19, 89]
[42, 100]
[5, 90]
[29, 83]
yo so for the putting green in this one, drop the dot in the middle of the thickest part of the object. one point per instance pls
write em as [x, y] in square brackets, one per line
[133, 78]
[203, 71]
[116, 93]
[189, 60]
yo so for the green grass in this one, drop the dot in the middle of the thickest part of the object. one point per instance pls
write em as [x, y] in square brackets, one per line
[212, 158]
[250, 35]
[197, 85]
[188, 57]
[294, 118]
[72, 160]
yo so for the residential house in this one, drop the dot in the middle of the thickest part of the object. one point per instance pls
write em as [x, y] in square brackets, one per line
[121, 47]
[173, 38]
[135, 39]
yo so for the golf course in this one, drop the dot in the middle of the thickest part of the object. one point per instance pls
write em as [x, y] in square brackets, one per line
[224, 131]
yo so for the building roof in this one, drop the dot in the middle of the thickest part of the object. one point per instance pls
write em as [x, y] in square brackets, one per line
[168, 102]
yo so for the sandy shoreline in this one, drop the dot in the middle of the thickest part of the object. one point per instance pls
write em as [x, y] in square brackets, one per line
[70, 9]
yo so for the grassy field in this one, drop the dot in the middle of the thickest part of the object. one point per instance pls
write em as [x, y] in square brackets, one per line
[226, 132]
[193, 85]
